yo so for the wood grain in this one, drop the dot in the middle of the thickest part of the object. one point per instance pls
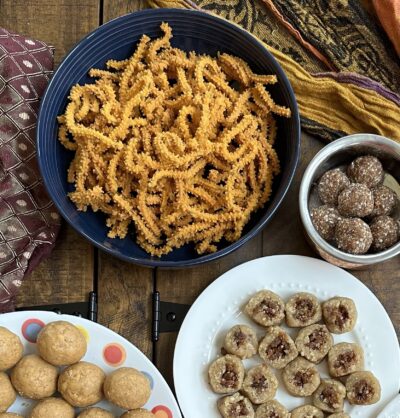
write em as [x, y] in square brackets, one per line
[61, 23]
[124, 289]
[115, 8]
[284, 234]
[66, 276]
[125, 305]
[184, 286]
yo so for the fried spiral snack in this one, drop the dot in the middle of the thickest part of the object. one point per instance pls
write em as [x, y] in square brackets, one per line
[179, 145]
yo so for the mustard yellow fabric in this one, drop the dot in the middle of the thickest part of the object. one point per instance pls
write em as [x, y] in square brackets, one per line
[338, 106]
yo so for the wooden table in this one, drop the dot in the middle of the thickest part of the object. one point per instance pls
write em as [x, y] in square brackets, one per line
[125, 290]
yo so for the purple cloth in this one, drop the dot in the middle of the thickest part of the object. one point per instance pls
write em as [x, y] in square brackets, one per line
[362, 81]
[29, 223]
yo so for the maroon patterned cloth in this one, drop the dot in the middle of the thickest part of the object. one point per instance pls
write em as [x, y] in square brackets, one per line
[29, 222]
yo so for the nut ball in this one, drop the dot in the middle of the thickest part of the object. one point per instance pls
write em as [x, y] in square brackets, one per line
[54, 408]
[331, 184]
[353, 236]
[367, 170]
[385, 200]
[11, 349]
[138, 413]
[385, 232]
[81, 384]
[325, 219]
[127, 388]
[356, 201]
[7, 393]
[95, 413]
[61, 343]
[34, 378]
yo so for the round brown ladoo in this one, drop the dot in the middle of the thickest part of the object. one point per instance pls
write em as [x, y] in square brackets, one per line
[95, 413]
[367, 170]
[11, 349]
[331, 184]
[7, 393]
[54, 408]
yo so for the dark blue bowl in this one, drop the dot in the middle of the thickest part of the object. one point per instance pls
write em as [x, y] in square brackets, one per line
[116, 39]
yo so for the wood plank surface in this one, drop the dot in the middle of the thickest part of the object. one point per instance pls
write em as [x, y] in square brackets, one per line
[183, 286]
[67, 276]
[61, 23]
[124, 289]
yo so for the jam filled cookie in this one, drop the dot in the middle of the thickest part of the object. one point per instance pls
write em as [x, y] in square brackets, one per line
[301, 377]
[226, 374]
[345, 358]
[314, 342]
[266, 308]
[330, 396]
[241, 341]
[235, 406]
[302, 309]
[272, 409]
[340, 314]
[363, 388]
[307, 411]
[277, 349]
[260, 384]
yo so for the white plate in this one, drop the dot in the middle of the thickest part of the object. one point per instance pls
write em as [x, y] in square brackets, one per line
[219, 308]
[105, 348]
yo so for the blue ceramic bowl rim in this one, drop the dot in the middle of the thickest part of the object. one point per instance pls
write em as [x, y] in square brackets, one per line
[277, 199]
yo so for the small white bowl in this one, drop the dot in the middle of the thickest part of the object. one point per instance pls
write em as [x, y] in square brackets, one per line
[336, 154]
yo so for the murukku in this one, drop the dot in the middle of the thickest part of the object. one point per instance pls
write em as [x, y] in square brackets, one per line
[174, 147]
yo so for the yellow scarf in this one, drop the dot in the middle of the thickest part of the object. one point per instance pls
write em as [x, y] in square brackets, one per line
[338, 106]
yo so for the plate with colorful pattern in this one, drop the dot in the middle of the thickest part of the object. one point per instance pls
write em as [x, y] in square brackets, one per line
[106, 349]
[220, 307]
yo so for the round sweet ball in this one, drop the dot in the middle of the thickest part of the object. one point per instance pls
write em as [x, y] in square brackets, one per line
[127, 388]
[11, 349]
[34, 378]
[367, 170]
[325, 219]
[7, 393]
[353, 236]
[385, 232]
[331, 184]
[138, 413]
[81, 384]
[54, 408]
[61, 343]
[95, 413]
[356, 201]
[10, 415]
[385, 200]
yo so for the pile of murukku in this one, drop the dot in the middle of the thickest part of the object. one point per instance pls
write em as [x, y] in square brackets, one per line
[176, 145]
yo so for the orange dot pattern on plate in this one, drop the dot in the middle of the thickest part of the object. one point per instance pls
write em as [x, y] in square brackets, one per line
[114, 354]
[31, 328]
[162, 411]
